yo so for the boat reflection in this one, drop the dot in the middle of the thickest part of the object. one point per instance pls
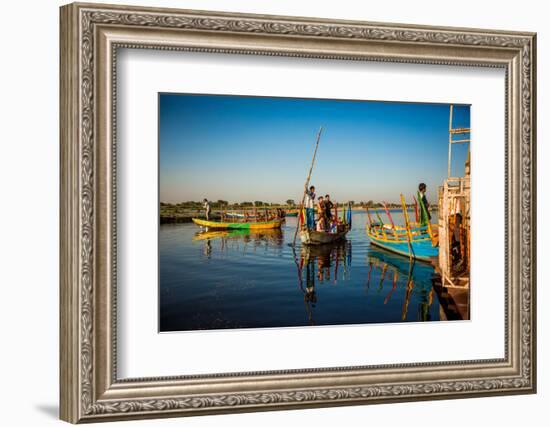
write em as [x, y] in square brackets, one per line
[242, 240]
[402, 273]
[321, 263]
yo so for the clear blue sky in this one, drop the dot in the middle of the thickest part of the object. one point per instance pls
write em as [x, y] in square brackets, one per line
[239, 148]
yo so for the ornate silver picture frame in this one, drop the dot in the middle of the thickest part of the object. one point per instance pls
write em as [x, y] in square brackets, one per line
[90, 388]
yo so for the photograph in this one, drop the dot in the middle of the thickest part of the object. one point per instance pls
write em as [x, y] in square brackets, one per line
[271, 209]
[292, 212]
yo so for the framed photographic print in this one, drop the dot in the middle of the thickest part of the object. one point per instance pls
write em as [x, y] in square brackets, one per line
[265, 212]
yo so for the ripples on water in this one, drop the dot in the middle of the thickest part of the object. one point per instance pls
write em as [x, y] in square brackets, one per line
[246, 279]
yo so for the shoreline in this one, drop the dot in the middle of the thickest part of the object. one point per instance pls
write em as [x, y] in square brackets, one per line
[185, 215]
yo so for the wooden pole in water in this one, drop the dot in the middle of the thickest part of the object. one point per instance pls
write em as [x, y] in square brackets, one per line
[307, 182]
[407, 226]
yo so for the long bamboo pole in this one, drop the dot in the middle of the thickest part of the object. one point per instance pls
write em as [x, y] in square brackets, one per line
[307, 183]
[408, 226]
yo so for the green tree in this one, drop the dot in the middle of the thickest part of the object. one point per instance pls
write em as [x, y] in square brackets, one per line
[290, 202]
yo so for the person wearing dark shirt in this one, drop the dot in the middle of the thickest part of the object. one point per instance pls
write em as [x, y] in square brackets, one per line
[328, 208]
[425, 216]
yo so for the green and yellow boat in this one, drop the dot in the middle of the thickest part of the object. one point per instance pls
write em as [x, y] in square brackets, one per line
[265, 225]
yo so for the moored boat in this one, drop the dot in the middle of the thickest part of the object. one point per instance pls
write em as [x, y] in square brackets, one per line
[276, 223]
[412, 240]
[311, 237]
[395, 239]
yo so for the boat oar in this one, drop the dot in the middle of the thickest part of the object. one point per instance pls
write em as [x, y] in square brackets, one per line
[307, 183]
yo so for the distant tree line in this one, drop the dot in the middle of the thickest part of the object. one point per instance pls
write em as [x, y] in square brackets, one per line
[290, 203]
[220, 204]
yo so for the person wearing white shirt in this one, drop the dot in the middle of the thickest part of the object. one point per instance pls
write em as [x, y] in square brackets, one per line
[310, 207]
[207, 209]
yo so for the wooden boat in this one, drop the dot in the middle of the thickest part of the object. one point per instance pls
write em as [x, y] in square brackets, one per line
[396, 239]
[276, 223]
[413, 240]
[310, 237]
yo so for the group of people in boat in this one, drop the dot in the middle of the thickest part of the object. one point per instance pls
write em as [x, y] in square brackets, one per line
[318, 211]
[325, 220]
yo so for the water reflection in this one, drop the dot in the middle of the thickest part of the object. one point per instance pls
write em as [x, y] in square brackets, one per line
[404, 273]
[242, 240]
[253, 279]
[319, 264]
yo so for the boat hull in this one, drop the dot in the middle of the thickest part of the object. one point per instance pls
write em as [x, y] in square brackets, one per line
[267, 225]
[422, 250]
[422, 247]
[308, 237]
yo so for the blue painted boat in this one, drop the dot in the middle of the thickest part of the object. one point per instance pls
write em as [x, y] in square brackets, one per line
[414, 240]
[395, 239]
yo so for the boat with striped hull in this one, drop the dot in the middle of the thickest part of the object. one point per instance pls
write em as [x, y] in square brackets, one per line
[276, 223]
[396, 239]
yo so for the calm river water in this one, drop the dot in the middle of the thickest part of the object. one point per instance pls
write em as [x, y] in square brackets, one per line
[238, 279]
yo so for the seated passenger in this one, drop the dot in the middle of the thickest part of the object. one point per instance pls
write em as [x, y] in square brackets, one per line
[320, 225]
[333, 225]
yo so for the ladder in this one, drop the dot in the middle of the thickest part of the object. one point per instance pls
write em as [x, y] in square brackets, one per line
[454, 196]
[464, 137]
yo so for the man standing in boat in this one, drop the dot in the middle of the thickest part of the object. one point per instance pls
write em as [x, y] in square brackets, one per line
[425, 216]
[207, 209]
[328, 209]
[310, 207]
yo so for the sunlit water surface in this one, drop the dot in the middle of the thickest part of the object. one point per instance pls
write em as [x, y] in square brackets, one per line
[242, 279]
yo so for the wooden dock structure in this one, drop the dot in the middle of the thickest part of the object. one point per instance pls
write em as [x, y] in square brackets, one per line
[453, 263]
